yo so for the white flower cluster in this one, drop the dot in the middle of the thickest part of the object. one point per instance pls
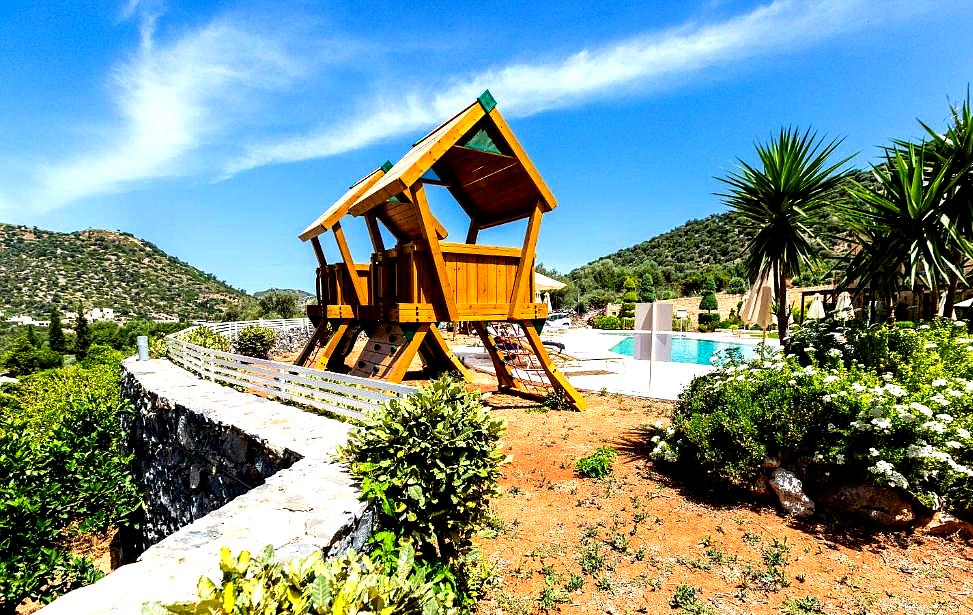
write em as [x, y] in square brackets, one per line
[663, 451]
[887, 471]
[925, 451]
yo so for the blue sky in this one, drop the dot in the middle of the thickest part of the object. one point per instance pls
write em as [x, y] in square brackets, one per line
[219, 130]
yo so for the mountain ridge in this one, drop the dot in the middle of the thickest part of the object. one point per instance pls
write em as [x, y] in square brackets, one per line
[102, 268]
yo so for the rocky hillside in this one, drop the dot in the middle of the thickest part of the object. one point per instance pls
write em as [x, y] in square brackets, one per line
[41, 268]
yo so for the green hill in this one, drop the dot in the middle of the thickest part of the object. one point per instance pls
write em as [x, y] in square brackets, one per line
[680, 261]
[39, 268]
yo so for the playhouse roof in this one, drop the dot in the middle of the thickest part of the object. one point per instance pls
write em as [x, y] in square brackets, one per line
[479, 160]
[339, 208]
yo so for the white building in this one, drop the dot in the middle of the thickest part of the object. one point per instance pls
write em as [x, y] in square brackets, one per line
[100, 314]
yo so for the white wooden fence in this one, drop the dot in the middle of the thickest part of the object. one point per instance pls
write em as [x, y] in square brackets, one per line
[345, 396]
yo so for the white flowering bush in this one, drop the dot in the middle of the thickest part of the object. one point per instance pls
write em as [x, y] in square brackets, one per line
[902, 421]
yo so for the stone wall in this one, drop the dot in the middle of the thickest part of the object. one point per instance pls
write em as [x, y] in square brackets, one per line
[223, 468]
[727, 301]
[191, 463]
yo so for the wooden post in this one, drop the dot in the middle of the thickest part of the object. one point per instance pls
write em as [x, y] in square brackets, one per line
[526, 266]
[318, 252]
[435, 341]
[504, 376]
[558, 380]
[339, 236]
[374, 232]
[473, 232]
[435, 252]
[405, 356]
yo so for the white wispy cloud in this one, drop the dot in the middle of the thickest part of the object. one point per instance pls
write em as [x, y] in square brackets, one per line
[171, 98]
[183, 103]
[642, 63]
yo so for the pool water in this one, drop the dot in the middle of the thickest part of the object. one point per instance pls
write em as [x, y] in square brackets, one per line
[688, 349]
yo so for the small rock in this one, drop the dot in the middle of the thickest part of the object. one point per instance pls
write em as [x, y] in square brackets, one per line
[945, 524]
[791, 494]
[882, 505]
[770, 463]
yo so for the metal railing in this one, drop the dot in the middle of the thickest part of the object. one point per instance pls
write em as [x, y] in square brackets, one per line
[339, 394]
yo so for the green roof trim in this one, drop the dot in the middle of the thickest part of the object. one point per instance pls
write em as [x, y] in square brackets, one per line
[480, 140]
[487, 101]
[386, 166]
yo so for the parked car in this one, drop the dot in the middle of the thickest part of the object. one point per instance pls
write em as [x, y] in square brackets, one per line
[558, 320]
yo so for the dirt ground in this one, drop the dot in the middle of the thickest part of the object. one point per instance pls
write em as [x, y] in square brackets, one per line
[628, 542]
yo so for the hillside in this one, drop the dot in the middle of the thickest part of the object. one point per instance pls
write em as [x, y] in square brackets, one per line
[302, 295]
[679, 261]
[39, 268]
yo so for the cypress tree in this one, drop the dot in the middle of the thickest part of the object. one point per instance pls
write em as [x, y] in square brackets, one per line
[31, 336]
[55, 334]
[82, 339]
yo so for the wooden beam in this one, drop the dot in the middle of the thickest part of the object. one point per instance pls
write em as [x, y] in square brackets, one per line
[374, 232]
[504, 376]
[332, 344]
[435, 253]
[312, 343]
[433, 182]
[350, 269]
[558, 380]
[526, 266]
[473, 232]
[404, 357]
[319, 252]
[441, 348]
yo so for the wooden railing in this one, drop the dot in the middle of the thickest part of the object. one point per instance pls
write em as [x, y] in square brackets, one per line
[399, 286]
[339, 394]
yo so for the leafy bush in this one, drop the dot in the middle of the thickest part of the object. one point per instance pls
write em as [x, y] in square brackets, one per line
[597, 464]
[255, 341]
[708, 322]
[898, 414]
[430, 463]
[60, 468]
[606, 322]
[25, 359]
[349, 584]
[207, 338]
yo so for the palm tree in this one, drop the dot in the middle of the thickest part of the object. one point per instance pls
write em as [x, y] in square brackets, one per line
[792, 188]
[954, 150]
[899, 226]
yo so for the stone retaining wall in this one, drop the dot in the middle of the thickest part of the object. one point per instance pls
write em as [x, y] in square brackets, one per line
[222, 468]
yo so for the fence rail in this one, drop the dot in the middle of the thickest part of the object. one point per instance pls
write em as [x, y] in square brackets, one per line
[340, 394]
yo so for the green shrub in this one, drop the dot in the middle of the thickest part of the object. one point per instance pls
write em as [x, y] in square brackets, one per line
[597, 464]
[255, 341]
[430, 463]
[606, 322]
[26, 359]
[903, 419]
[708, 322]
[60, 468]
[207, 338]
[708, 302]
[346, 585]
[627, 323]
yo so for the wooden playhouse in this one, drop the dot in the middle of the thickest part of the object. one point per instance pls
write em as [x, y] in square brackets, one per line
[398, 297]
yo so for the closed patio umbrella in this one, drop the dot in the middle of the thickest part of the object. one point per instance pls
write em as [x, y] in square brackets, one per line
[843, 309]
[816, 310]
[758, 300]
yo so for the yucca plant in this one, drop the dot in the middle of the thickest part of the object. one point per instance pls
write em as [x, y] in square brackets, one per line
[791, 188]
[900, 226]
[953, 149]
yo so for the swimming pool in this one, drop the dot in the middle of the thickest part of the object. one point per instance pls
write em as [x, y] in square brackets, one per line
[689, 349]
